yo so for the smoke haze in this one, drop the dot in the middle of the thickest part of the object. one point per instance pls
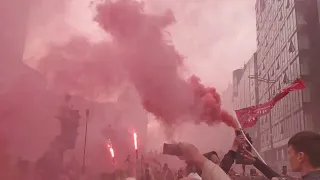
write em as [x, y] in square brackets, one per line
[210, 37]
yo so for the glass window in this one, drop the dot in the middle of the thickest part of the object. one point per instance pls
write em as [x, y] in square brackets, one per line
[302, 121]
[306, 93]
[298, 122]
[296, 128]
[280, 15]
[301, 19]
[304, 42]
[291, 47]
[297, 62]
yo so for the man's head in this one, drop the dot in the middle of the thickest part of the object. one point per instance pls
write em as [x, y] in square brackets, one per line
[213, 156]
[304, 151]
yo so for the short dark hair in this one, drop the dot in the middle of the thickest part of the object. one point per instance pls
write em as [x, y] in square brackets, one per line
[307, 142]
[209, 154]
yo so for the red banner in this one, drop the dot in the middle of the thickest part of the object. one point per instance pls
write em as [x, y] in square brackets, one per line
[248, 116]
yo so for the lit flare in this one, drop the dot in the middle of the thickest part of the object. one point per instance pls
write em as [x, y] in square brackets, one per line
[135, 141]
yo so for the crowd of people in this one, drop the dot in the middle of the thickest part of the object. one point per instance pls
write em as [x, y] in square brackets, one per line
[303, 155]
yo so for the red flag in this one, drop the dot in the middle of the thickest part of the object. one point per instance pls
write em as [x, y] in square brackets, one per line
[248, 116]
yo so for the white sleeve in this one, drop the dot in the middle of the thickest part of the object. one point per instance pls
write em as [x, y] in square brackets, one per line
[212, 171]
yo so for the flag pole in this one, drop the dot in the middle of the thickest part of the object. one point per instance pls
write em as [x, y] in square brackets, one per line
[254, 149]
[85, 142]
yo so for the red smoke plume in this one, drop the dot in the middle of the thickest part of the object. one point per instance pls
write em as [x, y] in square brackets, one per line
[138, 53]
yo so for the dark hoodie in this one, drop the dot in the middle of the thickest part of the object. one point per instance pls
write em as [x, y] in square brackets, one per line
[315, 175]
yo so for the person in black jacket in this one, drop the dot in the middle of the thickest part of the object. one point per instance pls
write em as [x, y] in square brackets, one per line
[230, 157]
[261, 166]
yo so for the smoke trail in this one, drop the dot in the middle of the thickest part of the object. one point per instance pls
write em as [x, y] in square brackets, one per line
[140, 54]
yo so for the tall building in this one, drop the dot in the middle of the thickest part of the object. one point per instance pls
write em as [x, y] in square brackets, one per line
[245, 92]
[226, 98]
[288, 43]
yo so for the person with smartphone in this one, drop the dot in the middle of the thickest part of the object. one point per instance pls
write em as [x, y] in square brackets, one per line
[209, 170]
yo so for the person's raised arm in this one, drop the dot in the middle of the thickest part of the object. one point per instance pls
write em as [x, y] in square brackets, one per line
[210, 171]
[228, 159]
[262, 167]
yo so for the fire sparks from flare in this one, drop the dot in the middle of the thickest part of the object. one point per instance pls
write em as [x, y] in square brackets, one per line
[135, 141]
[111, 149]
[111, 152]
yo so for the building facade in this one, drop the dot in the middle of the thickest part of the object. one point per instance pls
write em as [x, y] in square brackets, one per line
[245, 92]
[287, 48]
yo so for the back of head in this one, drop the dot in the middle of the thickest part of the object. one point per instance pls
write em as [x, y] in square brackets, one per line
[304, 146]
[212, 156]
[209, 154]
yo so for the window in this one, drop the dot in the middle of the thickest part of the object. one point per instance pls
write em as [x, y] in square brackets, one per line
[290, 125]
[304, 41]
[291, 47]
[306, 93]
[285, 79]
[297, 65]
[302, 121]
[280, 15]
[304, 66]
[288, 4]
[262, 5]
[298, 122]
[273, 91]
[300, 19]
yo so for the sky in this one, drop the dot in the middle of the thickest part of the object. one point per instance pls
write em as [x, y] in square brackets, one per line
[215, 36]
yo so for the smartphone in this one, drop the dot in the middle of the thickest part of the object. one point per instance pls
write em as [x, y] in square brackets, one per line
[171, 149]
